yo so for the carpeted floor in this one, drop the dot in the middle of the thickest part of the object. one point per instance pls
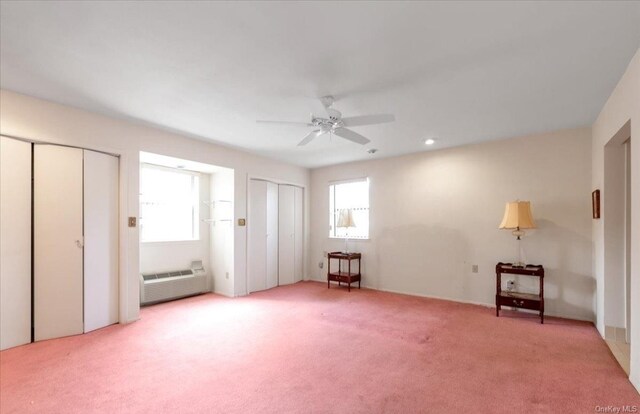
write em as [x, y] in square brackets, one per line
[306, 349]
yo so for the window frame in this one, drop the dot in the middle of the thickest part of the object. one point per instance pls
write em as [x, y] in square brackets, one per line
[332, 210]
[195, 205]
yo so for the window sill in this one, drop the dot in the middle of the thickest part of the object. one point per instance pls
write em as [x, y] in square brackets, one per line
[350, 239]
[154, 242]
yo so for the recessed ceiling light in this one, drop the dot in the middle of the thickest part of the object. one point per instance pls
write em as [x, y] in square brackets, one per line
[430, 141]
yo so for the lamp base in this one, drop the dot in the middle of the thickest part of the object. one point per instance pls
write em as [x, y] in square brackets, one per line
[519, 263]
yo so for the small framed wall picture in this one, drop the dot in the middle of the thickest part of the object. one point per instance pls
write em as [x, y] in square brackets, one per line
[595, 204]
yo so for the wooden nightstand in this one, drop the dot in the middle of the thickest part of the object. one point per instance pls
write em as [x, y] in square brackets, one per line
[347, 277]
[518, 299]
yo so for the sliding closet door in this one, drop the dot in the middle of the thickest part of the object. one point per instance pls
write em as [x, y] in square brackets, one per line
[286, 228]
[57, 241]
[272, 235]
[257, 246]
[100, 240]
[15, 243]
[298, 213]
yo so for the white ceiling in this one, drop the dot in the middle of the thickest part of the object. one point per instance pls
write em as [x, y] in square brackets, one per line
[460, 71]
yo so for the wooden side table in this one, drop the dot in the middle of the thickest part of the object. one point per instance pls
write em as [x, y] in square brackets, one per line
[519, 299]
[347, 277]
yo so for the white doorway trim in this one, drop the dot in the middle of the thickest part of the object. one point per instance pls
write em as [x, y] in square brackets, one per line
[627, 241]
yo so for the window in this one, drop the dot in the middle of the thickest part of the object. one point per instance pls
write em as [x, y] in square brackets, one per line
[352, 195]
[169, 204]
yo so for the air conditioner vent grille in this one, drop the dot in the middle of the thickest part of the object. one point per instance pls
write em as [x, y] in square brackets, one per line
[159, 287]
[153, 276]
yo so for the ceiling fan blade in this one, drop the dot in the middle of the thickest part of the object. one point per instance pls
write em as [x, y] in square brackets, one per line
[352, 121]
[310, 136]
[351, 135]
[306, 124]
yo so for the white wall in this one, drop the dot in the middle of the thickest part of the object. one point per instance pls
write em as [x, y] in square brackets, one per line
[15, 243]
[178, 255]
[37, 119]
[436, 213]
[622, 106]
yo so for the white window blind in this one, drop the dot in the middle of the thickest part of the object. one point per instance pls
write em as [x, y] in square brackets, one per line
[169, 204]
[352, 195]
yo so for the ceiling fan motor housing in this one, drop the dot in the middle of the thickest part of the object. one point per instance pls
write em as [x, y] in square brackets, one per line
[327, 124]
[334, 115]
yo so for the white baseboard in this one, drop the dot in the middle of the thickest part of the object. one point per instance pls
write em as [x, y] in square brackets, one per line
[470, 302]
[128, 321]
[225, 294]
[421, 295]
[615, 334]
[635, 380]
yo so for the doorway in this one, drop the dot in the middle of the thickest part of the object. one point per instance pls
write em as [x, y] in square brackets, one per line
[59, 238]
[275, 234]
[617, 244]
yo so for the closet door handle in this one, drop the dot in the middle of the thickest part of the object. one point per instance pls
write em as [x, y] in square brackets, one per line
[80, 244]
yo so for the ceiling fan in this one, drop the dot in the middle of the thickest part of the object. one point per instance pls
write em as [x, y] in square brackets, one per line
[336, 124]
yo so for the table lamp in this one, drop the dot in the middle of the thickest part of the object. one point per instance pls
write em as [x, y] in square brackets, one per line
[345, 220]
[517, 217]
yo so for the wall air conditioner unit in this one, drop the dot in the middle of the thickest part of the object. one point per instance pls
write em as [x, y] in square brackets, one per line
[161, 287]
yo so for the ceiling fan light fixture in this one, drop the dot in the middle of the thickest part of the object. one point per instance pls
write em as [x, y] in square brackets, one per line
[335, 124]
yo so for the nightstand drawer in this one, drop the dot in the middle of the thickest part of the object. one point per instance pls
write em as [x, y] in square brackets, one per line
[517, 302]
[344, 277]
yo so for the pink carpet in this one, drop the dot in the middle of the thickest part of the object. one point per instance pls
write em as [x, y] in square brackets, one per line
[306, 349]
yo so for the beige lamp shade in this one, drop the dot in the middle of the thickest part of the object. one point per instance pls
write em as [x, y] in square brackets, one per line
[345, 219]
[517, 215]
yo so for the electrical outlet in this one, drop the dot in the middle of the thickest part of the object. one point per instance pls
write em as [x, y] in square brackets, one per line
[474, 268]
[321, 265]
[226, 275]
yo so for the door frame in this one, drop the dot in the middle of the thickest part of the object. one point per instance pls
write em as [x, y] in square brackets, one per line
[627, 241]
[615, 237]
